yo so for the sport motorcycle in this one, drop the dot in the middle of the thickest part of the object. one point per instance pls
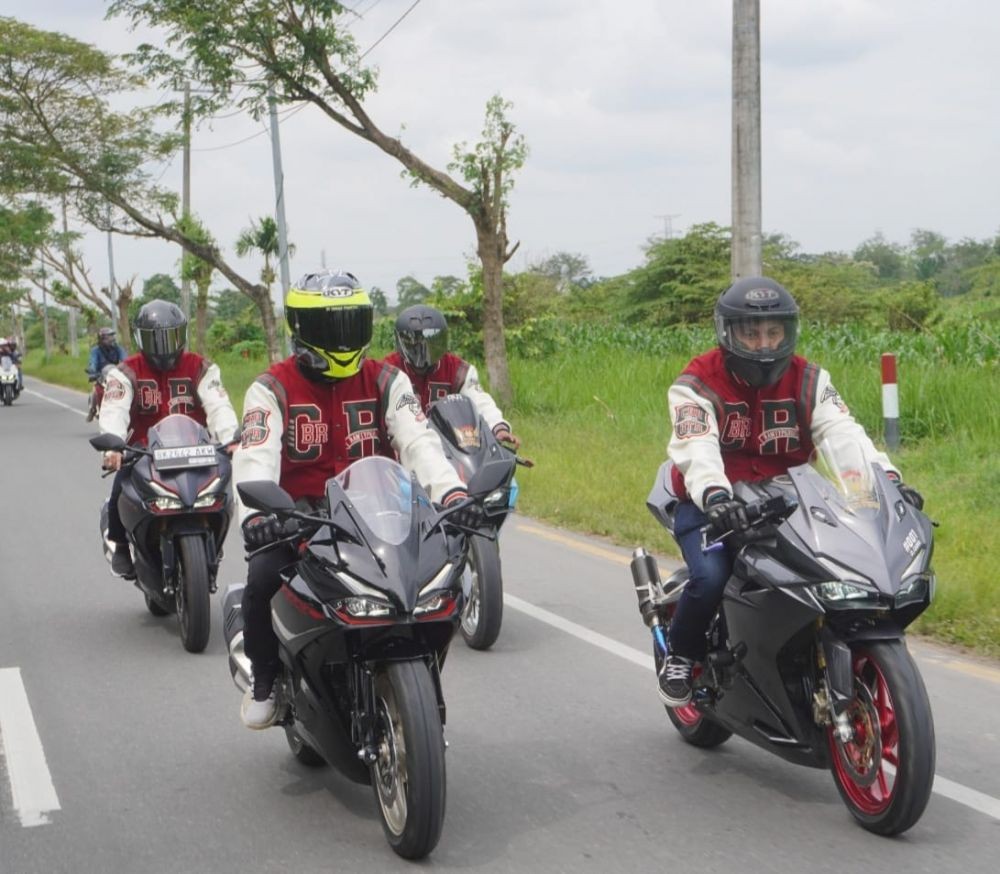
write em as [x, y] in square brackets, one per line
[364, 619]
[175, 504]
[806, 656]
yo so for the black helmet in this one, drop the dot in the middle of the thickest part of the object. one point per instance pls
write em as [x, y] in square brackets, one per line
[756, 323]
[161, 333]
[330, 316]
[421, 337]
[106, 336]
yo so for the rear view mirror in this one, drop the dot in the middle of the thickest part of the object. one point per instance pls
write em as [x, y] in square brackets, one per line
[266, 496]
[108, 443]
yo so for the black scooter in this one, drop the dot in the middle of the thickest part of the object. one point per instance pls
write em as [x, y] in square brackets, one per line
[175, 504]
[364, 619]
[806, 657]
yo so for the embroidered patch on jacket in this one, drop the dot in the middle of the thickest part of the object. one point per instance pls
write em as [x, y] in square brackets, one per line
[830, 393]
[255, 427]
[412, 402]
[115, 390]
[690, 420]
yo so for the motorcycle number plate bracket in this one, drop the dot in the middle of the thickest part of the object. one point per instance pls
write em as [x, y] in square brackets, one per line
[176, 457]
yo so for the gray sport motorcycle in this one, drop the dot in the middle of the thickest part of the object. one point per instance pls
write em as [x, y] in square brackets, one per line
[807, 655]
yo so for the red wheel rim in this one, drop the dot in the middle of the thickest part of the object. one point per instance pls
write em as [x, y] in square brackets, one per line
[687, 715]
[868, 776]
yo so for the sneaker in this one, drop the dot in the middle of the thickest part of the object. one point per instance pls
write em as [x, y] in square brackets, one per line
[260, 703]
[90, 414]
[121, 562]
[675, 681]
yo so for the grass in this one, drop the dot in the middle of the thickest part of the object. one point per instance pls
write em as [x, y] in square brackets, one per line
[593, 417]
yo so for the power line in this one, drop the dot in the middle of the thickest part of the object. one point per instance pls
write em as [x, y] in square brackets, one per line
[288, 113]
[390, 30]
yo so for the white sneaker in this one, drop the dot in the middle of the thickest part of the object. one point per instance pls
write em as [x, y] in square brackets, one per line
[258, 714]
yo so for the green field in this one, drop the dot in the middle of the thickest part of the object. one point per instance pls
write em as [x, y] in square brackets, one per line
[592, 414]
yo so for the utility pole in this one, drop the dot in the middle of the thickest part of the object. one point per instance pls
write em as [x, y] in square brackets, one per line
[668, 224]
[45, 312]
[186, 194]
[279, 197]
[71, 310]
[746, 184]
[111, 278]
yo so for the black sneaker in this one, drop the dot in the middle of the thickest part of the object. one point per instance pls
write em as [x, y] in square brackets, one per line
[121, 562]
[675, 681]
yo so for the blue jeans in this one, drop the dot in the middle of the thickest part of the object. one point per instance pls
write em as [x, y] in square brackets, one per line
[703, 593]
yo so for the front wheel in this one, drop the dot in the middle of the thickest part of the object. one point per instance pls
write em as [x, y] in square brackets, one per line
[483, 611]
[409, 774]
[885, 772]
[8, 394]
[193, 608]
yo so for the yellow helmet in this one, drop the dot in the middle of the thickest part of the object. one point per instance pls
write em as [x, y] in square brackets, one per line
[330, 317]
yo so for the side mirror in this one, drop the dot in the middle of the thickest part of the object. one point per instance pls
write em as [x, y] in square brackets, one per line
[266, 496]
[108, 443]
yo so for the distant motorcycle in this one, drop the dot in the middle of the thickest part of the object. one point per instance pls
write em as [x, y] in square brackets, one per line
[470, 444]
[364, 620]
[806, 657]
[99, 381]
[9, 382]
[176, 504]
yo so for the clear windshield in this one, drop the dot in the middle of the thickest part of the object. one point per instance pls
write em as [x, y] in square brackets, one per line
[847, 467]
[6, 363]
[177, 430]
[380, 491]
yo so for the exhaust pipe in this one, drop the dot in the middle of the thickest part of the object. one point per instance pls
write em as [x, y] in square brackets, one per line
[239, 664]
[648, 588]
[232, 625]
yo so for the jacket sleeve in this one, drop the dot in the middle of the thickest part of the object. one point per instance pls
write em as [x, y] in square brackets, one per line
[219, 412]
[832, 421]
[694, 440]
[116, 408]
[482, 400]
[418, 447]
[259, 454]
[92, 363]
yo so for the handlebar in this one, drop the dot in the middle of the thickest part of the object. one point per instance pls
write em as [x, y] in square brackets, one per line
[760, 514]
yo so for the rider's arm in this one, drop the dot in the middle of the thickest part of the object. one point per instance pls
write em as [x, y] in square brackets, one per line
[116, 408]
[832, 421]
[482, 400]
[259, 454]
[219, 413]
[694, 439]
[418, 447]
[92, 365]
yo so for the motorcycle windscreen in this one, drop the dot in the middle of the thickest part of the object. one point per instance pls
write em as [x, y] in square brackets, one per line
[381, 494]
[177, 430]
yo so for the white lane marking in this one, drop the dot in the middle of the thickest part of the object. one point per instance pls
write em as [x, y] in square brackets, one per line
[978, 801]
[37, 394]
[31, 786]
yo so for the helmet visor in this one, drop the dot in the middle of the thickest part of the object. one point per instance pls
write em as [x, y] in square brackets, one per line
[162, 343]
[758, 338]
[423, 348]
[333, 329]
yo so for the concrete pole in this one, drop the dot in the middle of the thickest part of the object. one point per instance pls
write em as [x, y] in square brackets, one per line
[111, 279]
[746, 195]
[279, 197]
[186, 192]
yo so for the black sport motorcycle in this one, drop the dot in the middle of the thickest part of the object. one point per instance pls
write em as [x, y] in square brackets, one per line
[806, 656]
[176, 504]
[469, 444]
[364, 619]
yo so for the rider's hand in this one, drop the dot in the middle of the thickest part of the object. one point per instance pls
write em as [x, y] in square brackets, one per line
[470, 516]
[505, 435]
[112, 461]
[910, 494]
[260, 530]
[724, 513]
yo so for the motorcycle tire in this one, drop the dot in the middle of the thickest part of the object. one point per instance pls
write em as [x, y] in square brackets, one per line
[301, 750]
[893, 741]
[408, 777]
[483, 612]
[155, 608]
[193, 607]
[696, 728]
[8, 396]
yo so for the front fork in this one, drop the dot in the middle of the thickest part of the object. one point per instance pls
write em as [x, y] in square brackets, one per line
[836, 686]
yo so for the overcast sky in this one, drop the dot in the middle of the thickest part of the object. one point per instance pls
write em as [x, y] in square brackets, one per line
[877, 115]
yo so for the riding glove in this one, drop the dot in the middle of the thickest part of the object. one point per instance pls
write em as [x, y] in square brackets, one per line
[470, 516]
[724, 513]
[260, 530]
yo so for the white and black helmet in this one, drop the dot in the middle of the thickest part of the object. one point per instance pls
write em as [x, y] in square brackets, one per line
[745, 305]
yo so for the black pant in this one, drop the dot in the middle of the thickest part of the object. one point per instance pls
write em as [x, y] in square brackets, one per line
[263, 581]
[116, 531]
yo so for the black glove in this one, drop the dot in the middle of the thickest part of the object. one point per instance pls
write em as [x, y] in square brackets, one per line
[260, 530]
[725, 514]
[470, 516]
[910, 494]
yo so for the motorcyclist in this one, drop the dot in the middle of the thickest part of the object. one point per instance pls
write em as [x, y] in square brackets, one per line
[106, 351]
[745, 411]
[306, 419]
[422, 353]
[158, 380]
[8, 349]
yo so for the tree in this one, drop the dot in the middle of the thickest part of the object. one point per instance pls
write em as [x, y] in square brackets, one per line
[887, 258]
[379, 301]
[199, 271]
[60, 138]
[262, 236]
[568, 269]
[298, 51]
[409, 292]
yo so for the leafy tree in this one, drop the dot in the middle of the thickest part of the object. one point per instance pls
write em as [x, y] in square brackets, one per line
[379, 301]
[198, 271]
[298, 50]
[929, 253]
[160, 286]
[567, 269]
[887, 258]
[409, 292]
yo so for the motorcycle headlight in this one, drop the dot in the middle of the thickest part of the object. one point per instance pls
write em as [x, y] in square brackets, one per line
[437, 605]
[165, 503]
[916, 589]
[839, 594]
[496, 500]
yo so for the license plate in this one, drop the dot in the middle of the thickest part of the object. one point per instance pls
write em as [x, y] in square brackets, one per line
[183, 456]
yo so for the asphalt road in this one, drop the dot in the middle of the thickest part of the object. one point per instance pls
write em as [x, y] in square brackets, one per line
[120, 752]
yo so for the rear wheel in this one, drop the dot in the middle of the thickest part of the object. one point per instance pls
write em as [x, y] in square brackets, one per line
[193, 608]
[696, 728]
[483, 611]
[885, 772]
[409, 774]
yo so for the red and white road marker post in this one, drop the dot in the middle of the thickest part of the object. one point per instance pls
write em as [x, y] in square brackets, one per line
[890, 400]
